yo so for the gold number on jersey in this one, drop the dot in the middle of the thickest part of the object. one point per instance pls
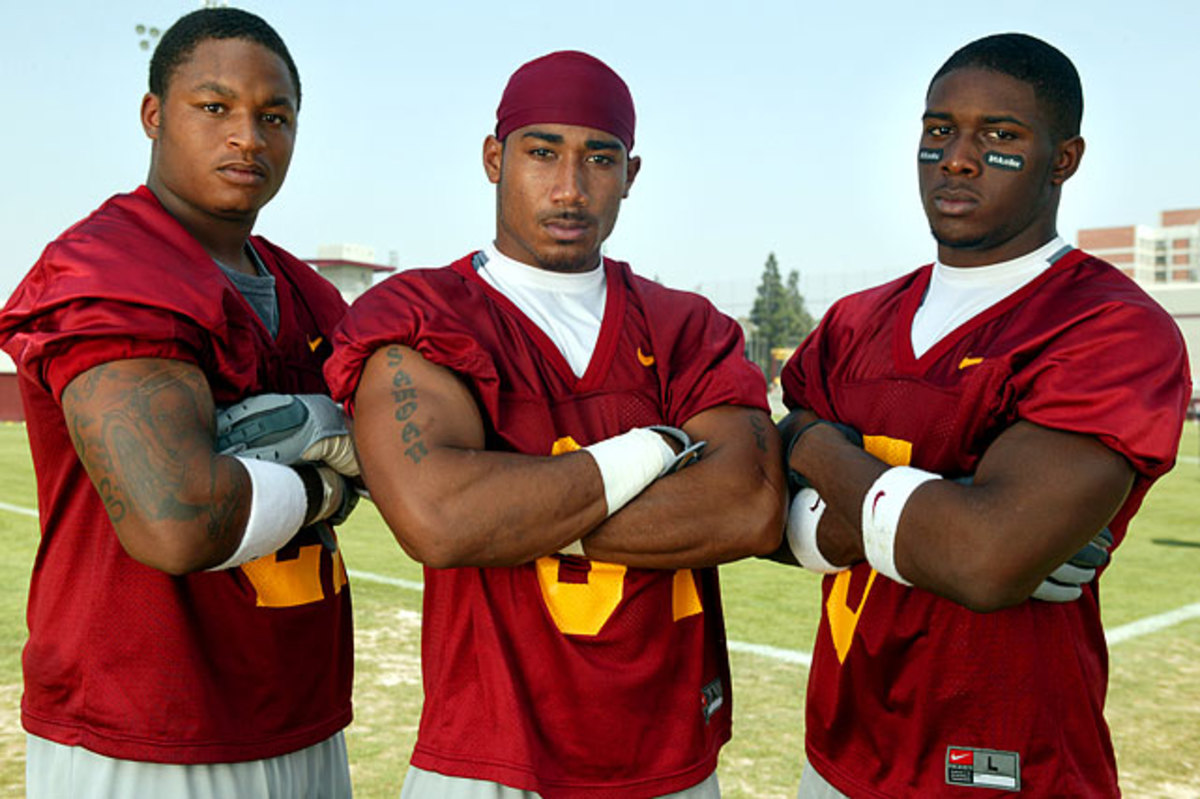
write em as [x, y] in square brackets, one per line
[292, 582]
[843, 619]
[582, 608]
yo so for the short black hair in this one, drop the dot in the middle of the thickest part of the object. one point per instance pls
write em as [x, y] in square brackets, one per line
[1053, 77]
[190, 30]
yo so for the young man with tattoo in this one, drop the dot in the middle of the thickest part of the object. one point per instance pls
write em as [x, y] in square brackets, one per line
[189, 616]
[523, 416]
[1014, 398]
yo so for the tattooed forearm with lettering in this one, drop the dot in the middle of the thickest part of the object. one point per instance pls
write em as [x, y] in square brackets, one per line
[144, 430]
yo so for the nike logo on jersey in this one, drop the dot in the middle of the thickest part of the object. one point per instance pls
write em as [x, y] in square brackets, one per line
[961, 757]
[968, 362]
[644, 359]
[313, 343]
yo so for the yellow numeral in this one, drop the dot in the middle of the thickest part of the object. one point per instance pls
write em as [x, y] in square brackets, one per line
[287, 583]
[843, 619]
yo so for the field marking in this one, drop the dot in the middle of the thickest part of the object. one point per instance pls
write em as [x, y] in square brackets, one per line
[1188, 458]
[18, 509]
[1152, 624]
[1117, 635]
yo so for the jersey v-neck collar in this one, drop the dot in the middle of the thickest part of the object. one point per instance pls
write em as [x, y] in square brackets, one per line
[902, 350]
[606, 342]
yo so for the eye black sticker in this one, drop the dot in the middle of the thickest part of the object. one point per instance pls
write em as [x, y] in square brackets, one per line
[928, 156]
[1014, 163]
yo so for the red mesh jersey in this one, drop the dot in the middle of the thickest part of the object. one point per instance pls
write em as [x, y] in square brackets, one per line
[123, 659]
[1081, 349]
[628, 696]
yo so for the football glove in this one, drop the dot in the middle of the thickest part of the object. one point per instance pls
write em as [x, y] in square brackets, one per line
[689, 451]
[288, 428]
[796, 481]
[1065, 584]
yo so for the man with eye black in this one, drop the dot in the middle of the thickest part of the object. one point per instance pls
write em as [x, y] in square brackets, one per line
[189, 615]
[966, 443]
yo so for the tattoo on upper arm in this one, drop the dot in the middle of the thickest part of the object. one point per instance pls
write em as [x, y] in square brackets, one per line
[405, 397]
[137, 436]
[760, 433]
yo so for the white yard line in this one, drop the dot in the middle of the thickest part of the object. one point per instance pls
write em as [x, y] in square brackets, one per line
[1117, 635]
[18, 509]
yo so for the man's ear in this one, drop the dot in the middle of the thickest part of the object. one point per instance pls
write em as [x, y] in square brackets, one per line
[632, 167]
[151, 115]
[493, 157]
[1066, 160]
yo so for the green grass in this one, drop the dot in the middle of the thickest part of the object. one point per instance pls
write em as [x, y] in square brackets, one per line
[1154, 705]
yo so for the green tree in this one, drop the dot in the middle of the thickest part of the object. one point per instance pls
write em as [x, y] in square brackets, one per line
[779, 314]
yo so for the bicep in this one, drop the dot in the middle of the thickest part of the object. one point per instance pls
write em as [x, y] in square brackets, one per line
[143, 429]
[406, 409]
[1066, 485]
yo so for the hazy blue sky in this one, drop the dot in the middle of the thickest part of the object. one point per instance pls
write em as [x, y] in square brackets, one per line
[764, 126]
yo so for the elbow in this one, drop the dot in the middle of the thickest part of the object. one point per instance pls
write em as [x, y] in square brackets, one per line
[175, 556]
[758, 516]
[425, 535]
[989, 588]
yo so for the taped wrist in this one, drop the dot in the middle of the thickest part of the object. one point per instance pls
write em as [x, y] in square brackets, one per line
[277, 508]
[882, 506]
[628, 463]
[803, 518]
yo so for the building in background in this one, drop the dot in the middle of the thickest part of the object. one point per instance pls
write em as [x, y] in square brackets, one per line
[1166, 254]
[350, 267]
[1165, 261]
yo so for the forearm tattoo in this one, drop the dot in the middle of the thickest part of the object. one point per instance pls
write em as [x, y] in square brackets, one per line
[405, 397]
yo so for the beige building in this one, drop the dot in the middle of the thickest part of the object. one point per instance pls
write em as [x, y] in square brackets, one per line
[1166, 254]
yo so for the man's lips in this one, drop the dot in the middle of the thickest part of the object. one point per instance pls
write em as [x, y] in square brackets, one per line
[567, 229]
[243, 173]
[951, 202]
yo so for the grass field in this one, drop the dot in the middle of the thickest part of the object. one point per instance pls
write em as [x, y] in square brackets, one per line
[1154, 704]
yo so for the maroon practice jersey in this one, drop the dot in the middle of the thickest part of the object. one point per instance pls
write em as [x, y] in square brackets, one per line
[566, 676]
[911, 694]
[123, 659]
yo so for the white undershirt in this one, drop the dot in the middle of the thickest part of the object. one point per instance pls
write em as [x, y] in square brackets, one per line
[957, 294]
[567, 306]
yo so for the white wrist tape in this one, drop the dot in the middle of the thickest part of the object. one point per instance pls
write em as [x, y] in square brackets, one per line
[628, 463]
[803, 518]
[881, 511]
[277, 506]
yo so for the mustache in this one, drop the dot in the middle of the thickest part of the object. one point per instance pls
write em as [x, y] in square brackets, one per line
[567, 216]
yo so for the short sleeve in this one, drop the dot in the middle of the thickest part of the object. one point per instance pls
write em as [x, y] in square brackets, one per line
[1121, 376]
[57, 344]
[414, 309]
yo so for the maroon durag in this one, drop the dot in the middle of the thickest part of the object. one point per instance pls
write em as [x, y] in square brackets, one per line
[567, 88]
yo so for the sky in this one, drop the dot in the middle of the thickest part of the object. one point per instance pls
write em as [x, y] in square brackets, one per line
[788, 127]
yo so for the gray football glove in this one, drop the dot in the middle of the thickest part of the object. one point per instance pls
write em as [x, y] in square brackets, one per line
[288, 428]
[1065, 584]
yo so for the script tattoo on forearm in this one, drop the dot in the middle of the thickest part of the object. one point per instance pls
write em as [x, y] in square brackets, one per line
[760, 433]
[405, 397]
[141, 436]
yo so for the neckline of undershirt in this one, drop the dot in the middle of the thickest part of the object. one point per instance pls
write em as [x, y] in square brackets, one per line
[1028, 265]
[510, 270]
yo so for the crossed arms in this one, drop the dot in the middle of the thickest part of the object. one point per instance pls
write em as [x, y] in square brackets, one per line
[450, 502]
[1037, 497]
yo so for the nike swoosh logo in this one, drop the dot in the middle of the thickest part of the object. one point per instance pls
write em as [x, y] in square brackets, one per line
[644, 359]
[958, 757]
[966, 362]
[313, 343]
